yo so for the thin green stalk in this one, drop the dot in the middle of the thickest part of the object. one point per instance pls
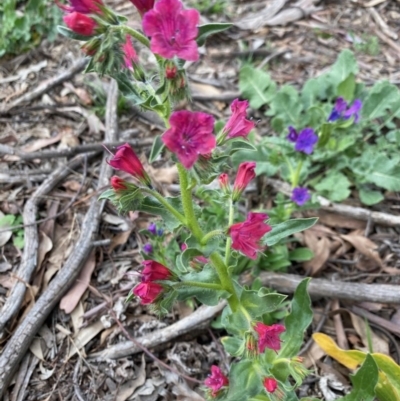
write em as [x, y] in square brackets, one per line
[226, 281]
[229, 239]
[209, 286]
[187, 203]
[209, 235]
[167, 205]
[134, 33]
[289, 164]
[296, 175]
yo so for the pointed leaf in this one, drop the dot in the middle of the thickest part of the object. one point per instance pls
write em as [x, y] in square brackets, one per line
[209, 29]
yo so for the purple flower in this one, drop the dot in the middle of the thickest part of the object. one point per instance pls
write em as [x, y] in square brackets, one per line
[172, 29]
[341, 110]
[306, 141]
[152, 228]
[147, 248]
[293, 135]
[160, 232]
[354, 111]
[300, 196]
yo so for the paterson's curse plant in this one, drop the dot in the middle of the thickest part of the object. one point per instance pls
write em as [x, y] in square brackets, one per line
[192, 252]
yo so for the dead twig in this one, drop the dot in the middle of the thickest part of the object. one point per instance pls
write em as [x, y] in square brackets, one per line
[75, 380]
[345, 210]
[18, 344]
[45, 86]
[29, 259]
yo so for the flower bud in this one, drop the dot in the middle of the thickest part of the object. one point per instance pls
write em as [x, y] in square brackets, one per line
[126, 160]
[155, 271]
[118, 184]
[148, 248]
[270, 384]
[148, 292]
[224, 183]
[80, 23]
[244, 176]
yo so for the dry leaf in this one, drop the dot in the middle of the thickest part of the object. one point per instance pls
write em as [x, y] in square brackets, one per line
[76, 317]
[364, 245]
[167, 175]
[127, 389]
[119, 239]
[71, 298]
[45, 246]
[321, 250]
[36, 348]
[84, 336]
[43, 143]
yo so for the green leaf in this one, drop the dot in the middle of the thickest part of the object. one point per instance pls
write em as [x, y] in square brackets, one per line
[256, 85]
[286, 104]
[346, 88]
[156, 149]
[233, 346]
[209, 29]
[345, 65]
[386, 176]
[7, 220]
[379, 99]
[240, 144]
[244, 381]
[235, 323]
[370, 197]
[19, 240]
[336, 187]
[71, 34]
[297, 321]
[183, 259]
[287, 228]
[326, 132]
[257, 303]
[152, 206]
[364, 382]
[301, 254]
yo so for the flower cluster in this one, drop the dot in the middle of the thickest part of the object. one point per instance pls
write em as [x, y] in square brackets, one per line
[304, 141]
[216, 381]
[149, 289]
[342, 110]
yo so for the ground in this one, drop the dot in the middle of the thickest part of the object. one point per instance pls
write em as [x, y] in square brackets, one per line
[61, 117]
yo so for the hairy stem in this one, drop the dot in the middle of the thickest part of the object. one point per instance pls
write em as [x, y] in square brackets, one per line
[187, 203]
[209, 286]
[229, 239]
[226, 281]
[134, 33]
[211, 234]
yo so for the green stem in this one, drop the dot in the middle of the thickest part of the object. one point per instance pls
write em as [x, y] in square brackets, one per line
[296, 176]
[229, 239]
[209, 286]
[167, 205]
[210, 235]
[134, 33]
[226, 281]
[187, 203]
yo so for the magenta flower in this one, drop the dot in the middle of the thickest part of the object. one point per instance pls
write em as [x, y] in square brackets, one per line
[246, 236]
[190, 135]
[306, 141]
[270, 384]
[118, 184]
[300, 196]
[80, 23]
[268, 336]
[223, 180]
[130, 55]
[216, 380]
[238, 125]
[172, 29]
[143, 5]
[126, 160]
[244, 175]
[155, 271]
[82, 6]
[148, 292]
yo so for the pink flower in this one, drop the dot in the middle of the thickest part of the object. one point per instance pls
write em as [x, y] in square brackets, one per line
[130, 55]
[268, 336]
[82, 6]
[148, 292]
[190, 135]
[244, 175]
[118, 184]
[143, 5]
[270, 384]
[246, 236]
[216, 380]
[126, 160]
[172, 29]
[154, 271]
[80, 23]
[238, 125]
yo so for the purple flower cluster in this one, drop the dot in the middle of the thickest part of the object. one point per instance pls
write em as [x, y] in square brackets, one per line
[344, 111]
[152, 228]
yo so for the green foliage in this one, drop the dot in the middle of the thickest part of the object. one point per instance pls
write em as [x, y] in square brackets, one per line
[23, 24]
[349, 155]
[8, 221]
[367, 44]
[209, 29]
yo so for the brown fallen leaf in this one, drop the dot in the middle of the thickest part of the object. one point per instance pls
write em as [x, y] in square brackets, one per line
[364, 245]
[120, 239]
[84, 336]
[45, 246]
[71, 298]
[320, 248]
